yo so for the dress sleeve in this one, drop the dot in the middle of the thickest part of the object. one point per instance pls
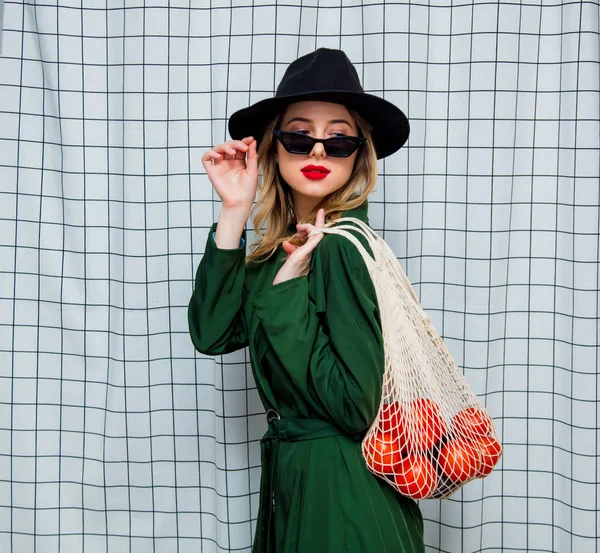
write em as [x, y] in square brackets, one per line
[329, 338]
[216, 317]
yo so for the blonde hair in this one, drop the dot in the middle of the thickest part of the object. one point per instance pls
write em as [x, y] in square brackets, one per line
[274, 208]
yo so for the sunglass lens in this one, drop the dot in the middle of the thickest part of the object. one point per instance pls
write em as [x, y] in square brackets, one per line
[340, 147]
[296, 143]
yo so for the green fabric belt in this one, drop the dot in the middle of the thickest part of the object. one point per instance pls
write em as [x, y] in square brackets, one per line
[287, 430]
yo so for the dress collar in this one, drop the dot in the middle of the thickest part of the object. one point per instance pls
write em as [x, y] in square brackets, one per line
[360, 212]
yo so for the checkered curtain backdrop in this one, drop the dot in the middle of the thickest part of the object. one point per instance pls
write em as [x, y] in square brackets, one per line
[114, 434]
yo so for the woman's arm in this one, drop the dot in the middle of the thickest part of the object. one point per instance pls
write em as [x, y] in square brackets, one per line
[230, 227]
[216, 317]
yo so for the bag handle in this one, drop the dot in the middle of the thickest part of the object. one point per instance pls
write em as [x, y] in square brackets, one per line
[343, 230]
[381, 249]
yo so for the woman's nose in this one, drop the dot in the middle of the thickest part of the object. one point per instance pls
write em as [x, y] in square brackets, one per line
[318, 150]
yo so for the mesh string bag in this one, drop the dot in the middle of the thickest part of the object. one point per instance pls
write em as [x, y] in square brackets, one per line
[431, 434]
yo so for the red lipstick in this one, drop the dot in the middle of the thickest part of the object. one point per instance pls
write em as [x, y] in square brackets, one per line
[315, 172]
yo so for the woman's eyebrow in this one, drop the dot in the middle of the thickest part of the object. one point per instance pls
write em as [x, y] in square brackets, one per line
[332, 122]
[302, 119]
[336, 121]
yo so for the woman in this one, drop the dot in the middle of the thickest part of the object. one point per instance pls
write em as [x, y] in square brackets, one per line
[306, 306]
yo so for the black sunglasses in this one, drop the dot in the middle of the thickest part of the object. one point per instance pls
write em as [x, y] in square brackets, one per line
[337, 146]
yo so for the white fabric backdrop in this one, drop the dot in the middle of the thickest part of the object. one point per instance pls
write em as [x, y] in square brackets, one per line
[114, 435]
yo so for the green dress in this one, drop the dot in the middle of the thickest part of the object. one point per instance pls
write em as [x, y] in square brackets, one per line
[317, 356]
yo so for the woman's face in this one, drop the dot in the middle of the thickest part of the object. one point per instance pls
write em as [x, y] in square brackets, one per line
[315, 175]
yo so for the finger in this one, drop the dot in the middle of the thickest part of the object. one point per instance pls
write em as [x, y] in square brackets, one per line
[248, 140]
[241, 145]
[231, 148]
[209, 160]
[226, 153]
[311, 243]
[304, 229]
[210, 155]
[320, 218]
[252, 159]
[242, 148]
[289, 248]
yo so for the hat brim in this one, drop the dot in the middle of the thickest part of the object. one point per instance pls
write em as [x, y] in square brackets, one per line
[390, 128]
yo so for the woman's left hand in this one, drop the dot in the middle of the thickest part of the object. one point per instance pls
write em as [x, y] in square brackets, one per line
[298, 261]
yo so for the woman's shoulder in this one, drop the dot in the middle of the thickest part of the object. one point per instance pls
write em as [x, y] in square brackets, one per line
[356, 218]
[338, 262]
[336, 249]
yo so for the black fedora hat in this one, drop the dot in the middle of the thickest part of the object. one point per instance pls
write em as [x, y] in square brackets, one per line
[329, 76]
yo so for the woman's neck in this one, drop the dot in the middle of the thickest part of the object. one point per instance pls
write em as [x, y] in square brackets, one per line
[304, 205]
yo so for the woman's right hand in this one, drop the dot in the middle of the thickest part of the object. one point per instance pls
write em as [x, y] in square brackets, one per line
[232, 168]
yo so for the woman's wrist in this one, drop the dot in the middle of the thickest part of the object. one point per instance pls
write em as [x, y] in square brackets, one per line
[292, 268]
[230, 227]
